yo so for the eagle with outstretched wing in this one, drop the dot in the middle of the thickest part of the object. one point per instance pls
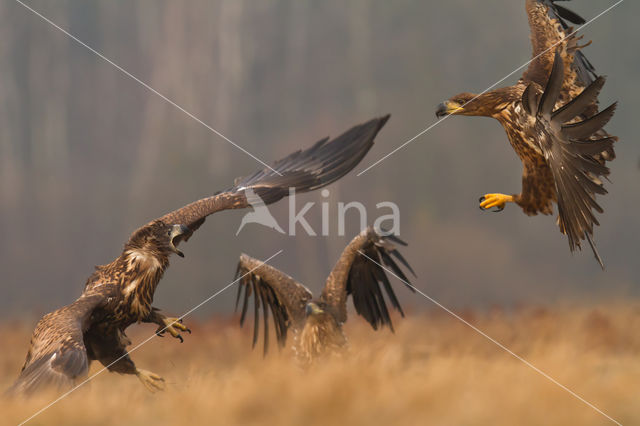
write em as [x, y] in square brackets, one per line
[317, 322]
[121, 293]
[552, 120]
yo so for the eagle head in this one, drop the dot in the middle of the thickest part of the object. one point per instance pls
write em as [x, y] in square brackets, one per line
[175, 234]
[159, 237]
[486, 104]
[461, 104]
[313, 309]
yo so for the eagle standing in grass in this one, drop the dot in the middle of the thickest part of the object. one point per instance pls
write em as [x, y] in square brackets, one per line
[551, 118]
[317, 323]
[121, 293]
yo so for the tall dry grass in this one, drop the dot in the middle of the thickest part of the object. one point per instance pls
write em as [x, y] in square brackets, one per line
[433, 370]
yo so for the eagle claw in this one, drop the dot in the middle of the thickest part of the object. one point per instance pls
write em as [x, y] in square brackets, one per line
[172, 325]
[494, 200]
[151, 381]
[481, 199]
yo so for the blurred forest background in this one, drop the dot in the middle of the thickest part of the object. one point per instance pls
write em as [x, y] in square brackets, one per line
[87, 154]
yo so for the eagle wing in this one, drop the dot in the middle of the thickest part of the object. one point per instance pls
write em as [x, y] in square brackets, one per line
[273, 291]
[320, 165]
[549, 23]
[569, 150]
[550, 32]
[57, 356]
[358, 273]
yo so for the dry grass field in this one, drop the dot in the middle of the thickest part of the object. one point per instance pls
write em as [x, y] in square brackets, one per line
[433, 370]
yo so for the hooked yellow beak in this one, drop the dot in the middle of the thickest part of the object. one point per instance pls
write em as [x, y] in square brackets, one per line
[448, 108]
[174, 237]
[313, 309]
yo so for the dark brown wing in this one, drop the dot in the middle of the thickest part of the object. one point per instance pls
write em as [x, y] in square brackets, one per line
[57, 356]
[569, 150]
[358, 273]
[316, 167]
[549, 24]
[273, 291]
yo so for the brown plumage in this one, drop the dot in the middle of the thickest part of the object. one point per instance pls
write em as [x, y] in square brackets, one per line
[317, 323]
[563, 160]
[121, 293]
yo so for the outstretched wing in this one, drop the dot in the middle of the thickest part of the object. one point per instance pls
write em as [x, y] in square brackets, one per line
[318, 166]
[358, 273]
[57, 356]
[569, 150]
[549, 23]
[273, 291]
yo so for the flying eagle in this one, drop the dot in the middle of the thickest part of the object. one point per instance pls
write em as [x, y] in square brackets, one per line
[121, 293]
[317, 323]
[551, 118]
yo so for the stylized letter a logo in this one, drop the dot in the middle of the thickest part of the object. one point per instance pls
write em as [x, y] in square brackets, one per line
[260, 213]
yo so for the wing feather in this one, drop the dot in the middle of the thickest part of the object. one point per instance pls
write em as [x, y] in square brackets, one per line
[304, 170]
[549, 24]
[569, 150]
[57, 356]
[265, 313]
[274, 292]
[256, 311]
[551, 30]
[580, 103]
[586, 128]
[358, 273]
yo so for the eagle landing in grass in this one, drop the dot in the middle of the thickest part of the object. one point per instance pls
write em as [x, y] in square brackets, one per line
[317, 322]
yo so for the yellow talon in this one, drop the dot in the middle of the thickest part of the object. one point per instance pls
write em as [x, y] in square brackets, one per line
[172, 325]
[495, 200]
[151, 381]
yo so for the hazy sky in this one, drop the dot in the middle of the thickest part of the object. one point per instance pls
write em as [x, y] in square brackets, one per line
[87, 154]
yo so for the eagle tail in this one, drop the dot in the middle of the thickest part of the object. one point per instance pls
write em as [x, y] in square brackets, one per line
[595, 251]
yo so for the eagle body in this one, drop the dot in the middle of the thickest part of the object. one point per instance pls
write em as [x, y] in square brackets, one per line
[540, 190]
[120, 293]
[320, 335]
[133, 278]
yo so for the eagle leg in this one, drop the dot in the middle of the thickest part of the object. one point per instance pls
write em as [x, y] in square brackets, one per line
[172, 325]
[498, 201]
[150, 380]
